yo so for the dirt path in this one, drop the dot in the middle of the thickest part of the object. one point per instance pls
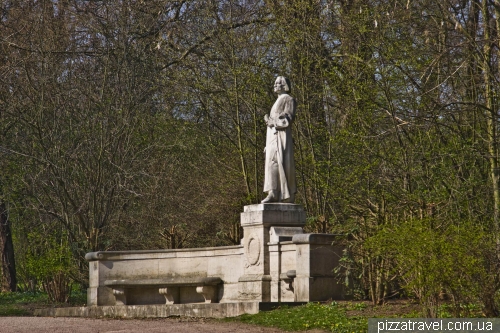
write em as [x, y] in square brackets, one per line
[85, 325]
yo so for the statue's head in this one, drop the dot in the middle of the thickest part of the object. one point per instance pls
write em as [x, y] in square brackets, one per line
[282, 84]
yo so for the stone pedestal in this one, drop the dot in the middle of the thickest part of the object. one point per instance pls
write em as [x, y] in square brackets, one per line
[257, 220]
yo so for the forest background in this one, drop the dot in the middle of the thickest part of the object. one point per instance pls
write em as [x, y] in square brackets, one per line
[139, 125]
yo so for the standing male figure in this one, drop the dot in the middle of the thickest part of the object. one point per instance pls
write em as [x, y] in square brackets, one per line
[279, 178]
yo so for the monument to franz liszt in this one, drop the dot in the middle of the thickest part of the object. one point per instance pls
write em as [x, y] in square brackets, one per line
[276, 261]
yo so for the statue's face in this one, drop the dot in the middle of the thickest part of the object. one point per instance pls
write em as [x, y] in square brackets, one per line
[279, 85]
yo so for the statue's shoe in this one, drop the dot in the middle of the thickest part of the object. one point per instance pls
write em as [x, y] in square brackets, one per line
[270, 198]
[291, 199]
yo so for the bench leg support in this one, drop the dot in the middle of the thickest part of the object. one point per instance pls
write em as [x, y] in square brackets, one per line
[208, 292]
[171, 294]
[289, 284]
[120, 296]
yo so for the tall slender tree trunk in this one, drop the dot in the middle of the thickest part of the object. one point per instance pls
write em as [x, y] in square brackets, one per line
[8, 278]
[491, 308]
[491, 117]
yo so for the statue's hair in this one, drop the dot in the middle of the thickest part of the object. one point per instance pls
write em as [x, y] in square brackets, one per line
[288, 85]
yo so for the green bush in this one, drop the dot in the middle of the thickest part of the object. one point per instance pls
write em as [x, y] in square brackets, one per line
[50, 265]
[438, 263]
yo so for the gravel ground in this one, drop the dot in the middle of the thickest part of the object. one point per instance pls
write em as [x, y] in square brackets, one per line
[86, 325]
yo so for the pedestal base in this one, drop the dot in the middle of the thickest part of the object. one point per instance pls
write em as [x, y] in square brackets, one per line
[257, 221]
[255, 288]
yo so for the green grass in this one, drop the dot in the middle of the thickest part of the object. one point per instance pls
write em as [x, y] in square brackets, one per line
[333, 317]
[24, 303]
[329, 317]
[20, 304]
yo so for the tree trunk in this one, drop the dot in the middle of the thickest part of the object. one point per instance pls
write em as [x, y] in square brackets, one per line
[9, 282]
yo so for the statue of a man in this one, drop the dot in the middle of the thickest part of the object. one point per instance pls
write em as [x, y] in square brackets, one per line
[279, 179]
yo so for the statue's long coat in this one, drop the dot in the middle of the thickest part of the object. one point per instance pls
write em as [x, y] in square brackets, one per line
[279, 150]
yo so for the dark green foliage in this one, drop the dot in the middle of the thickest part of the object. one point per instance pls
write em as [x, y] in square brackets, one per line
[439, 263]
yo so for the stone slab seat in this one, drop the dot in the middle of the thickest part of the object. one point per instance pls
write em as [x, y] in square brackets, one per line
[168, 287]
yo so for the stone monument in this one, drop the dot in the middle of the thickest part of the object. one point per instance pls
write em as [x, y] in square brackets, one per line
[275, 263]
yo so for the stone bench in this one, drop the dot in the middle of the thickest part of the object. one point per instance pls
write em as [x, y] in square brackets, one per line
[168, 287]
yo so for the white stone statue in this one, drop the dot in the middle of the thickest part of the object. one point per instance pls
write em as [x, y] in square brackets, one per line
[279, 179]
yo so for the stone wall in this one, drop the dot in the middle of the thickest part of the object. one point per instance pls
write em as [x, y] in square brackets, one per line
[276, 262]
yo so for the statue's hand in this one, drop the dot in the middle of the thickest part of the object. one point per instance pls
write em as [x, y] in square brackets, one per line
[282, 122]
[269, 121]
[264, 150]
